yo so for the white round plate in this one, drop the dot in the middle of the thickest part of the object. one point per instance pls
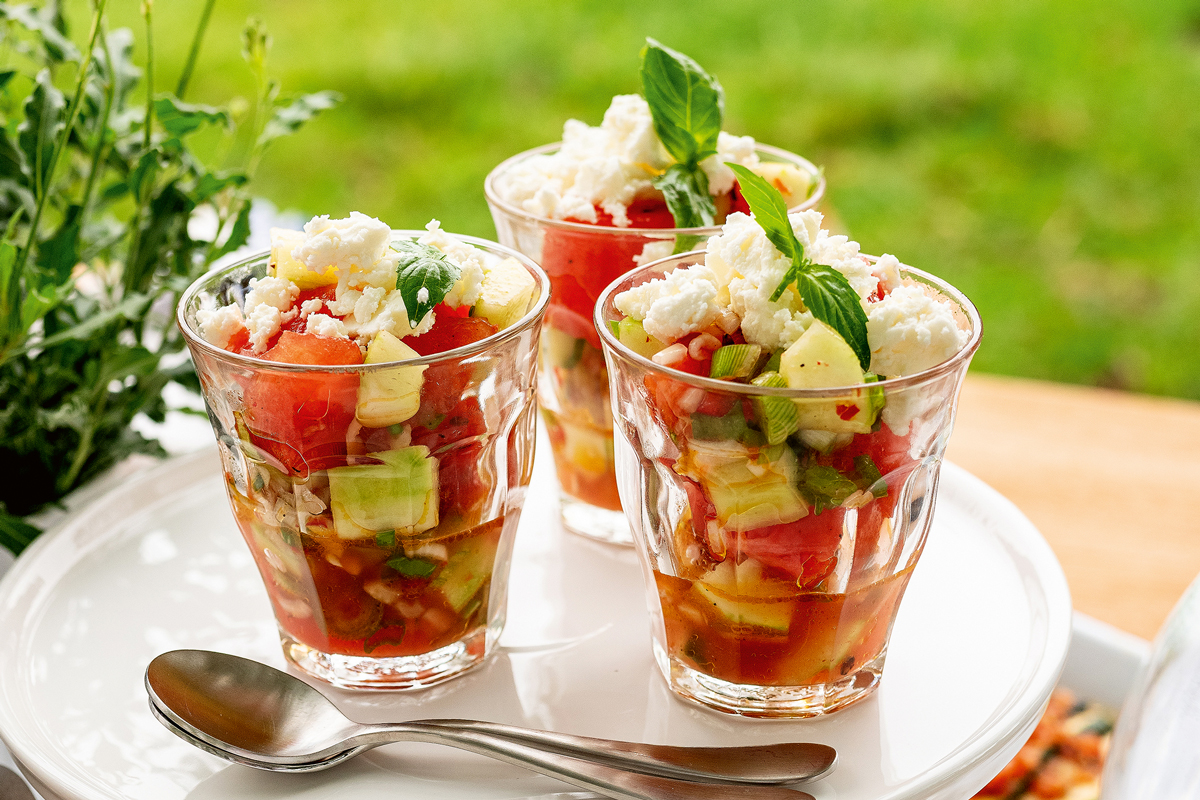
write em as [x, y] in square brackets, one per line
[157, 564]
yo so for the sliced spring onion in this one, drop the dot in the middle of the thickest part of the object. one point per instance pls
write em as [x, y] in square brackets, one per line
[735, 361]
[777, 416]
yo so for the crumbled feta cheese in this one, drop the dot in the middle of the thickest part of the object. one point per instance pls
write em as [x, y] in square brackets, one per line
[313, 306]
[218, 325]
[354, 243]
[323, 325]
[672, 307]
[606, 166]
[910, 331]
[750, 268]
[368, 304]
[653, 251]
[739, 150]
[344, 302]
[279, 293]
[263, 323]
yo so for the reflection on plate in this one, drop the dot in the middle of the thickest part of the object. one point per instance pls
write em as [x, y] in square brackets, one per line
[157, 564]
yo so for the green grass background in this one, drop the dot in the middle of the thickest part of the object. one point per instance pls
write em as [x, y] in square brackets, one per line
[1042, 155]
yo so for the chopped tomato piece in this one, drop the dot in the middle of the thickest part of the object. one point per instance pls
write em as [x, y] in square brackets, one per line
[805, 551]
[450, 331]
[302, 418]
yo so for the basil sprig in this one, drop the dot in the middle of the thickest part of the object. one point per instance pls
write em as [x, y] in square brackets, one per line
[422, 267]
[687, 106]
[824, 290]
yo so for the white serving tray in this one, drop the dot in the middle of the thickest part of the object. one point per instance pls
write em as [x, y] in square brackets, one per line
[156, 563]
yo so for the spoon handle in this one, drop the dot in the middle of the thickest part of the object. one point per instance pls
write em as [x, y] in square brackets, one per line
[601, 778]
[776, 764]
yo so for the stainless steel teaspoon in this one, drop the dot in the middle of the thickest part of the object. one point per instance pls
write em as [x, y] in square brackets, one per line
[253, 714]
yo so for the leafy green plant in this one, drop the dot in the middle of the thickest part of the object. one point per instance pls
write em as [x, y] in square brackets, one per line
[107, 215]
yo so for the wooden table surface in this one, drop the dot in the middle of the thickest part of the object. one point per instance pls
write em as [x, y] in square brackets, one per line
[1111, 479]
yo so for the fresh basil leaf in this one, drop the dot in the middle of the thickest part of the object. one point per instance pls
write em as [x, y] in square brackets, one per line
[423, 275]
[385, 539]
[412, 567]
[770, 212]
[832, 300]
[824, 290]
[180, 118]
[287, 119]
[686, 103]
[686, 193]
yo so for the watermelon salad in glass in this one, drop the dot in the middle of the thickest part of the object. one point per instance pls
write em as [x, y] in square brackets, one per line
[370, 390]
[596, 205]
[780, 482]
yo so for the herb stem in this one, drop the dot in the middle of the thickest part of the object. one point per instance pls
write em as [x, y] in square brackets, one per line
[101, 144]
[194, 52]
[59, 146]
[85, 443]
[147, 13]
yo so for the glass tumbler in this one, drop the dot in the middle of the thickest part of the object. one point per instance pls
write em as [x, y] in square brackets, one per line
[775, 565]
[385, 551]
[581, 260]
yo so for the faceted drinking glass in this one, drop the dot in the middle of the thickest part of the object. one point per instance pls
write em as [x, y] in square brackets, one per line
[774, 570]
[581, 260]
[385, 551]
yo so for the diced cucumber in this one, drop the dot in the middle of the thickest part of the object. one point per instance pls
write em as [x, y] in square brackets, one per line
[399, 494]
[777, 416]
[741, 596]
[749, 488]
[505, 293]
[393, 395]
[821, 359]
[633, 335]
[283, 242]
[735, 361]
[469, 567]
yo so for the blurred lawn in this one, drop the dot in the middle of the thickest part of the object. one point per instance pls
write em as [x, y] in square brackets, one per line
[1043, 156]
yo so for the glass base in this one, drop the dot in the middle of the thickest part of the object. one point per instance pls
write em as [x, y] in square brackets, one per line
[784, 702]
[594, 522]
[390, 673]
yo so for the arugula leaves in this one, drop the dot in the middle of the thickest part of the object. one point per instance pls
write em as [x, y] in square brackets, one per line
[824, 290]
[423, 275]
[688, 108]
[94, 253]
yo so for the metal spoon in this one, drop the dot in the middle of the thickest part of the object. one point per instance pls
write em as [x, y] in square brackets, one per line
[253, 714]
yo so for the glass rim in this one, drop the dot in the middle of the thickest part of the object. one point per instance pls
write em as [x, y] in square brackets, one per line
[951, 364]
[528, 320]
[494, 199]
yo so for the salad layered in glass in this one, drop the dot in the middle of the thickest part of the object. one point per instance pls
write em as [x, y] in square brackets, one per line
[780, 469]
[649, 181]
[371, 391]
